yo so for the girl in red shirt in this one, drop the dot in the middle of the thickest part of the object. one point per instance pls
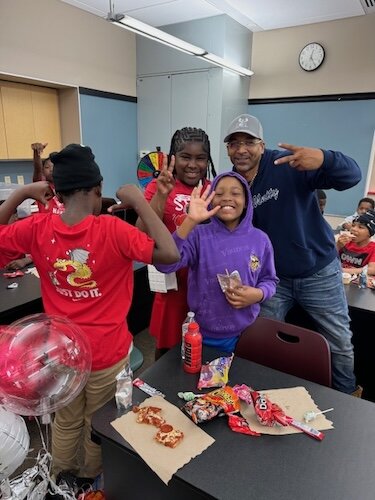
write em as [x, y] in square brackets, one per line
[190, 163]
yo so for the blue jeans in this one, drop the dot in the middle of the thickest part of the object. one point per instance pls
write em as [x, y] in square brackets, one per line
[322, 295]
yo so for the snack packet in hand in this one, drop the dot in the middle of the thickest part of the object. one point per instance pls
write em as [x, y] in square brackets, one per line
[231, 280]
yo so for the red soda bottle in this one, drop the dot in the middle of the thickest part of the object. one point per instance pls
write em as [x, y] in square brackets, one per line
[193, 349]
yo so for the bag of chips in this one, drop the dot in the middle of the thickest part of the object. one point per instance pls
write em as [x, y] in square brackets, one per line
[212, 404]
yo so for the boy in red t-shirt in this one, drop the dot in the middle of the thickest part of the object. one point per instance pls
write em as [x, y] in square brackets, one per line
[357, 251]
[85, 263]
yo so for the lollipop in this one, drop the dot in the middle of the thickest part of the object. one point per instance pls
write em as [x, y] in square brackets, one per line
[311, 415]
[149, 167]
[188, 396]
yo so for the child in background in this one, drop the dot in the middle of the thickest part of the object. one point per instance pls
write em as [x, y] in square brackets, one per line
[357, 251]
[228, 243]
[85, 263]
[169, 195]
[43, 171]
[322, 199]
[364, 204]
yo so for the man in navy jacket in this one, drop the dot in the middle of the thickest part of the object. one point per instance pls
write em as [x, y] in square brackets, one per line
[283, 188]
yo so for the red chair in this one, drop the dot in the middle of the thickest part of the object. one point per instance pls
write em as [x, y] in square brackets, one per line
[288, 348]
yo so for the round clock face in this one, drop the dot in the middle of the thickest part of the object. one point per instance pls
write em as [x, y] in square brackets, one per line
[311, 56]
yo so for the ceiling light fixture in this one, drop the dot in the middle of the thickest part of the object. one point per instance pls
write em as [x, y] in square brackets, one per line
[143, 29]
[223, 63]
[148, 31]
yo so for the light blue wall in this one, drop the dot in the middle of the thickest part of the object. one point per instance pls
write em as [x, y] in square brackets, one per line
[17, 167]
[109, 127]
[346, 126]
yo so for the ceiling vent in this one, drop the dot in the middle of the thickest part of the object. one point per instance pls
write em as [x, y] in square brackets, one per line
[368, 6]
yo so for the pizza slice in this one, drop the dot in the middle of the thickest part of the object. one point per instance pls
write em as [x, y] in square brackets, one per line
[149, 415]
[168, 436]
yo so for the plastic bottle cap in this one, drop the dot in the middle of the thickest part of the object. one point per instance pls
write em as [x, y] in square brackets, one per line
[191, 314]
[193, 327]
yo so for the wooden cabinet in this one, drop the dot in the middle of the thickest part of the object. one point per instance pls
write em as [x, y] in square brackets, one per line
[3, 144]
[30, 114]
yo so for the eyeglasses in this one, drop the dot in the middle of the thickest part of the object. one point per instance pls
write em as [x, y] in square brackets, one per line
[246, 144]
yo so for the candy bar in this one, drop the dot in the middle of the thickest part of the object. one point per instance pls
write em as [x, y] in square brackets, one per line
[151, 391]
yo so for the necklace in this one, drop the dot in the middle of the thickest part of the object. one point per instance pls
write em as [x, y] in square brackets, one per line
[251, 182]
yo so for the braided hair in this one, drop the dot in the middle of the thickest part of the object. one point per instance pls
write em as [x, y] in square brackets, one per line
[192, 134]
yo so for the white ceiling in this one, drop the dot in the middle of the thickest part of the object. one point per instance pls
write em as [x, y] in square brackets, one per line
[256, 15]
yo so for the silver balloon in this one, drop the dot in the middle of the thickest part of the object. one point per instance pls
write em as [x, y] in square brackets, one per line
[14, 439]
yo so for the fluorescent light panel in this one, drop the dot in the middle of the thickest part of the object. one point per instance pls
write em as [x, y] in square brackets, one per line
[157, 35]
[160, 36]
[223, 63]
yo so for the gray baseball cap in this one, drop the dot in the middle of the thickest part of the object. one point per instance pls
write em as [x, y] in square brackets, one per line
[246, 124]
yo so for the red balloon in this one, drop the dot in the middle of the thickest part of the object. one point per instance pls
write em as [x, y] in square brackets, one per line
[45, 363]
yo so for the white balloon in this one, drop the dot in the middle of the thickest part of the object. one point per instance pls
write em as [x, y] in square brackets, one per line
[14, 442]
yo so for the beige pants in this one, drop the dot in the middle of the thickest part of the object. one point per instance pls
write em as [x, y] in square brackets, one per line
[71, 429]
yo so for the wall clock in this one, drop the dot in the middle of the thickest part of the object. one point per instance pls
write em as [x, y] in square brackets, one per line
[311, 56]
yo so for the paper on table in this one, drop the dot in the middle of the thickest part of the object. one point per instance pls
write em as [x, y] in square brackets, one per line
[162, 460]
[295, 402]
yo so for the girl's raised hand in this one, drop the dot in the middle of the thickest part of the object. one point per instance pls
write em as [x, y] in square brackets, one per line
[165, 180]
[198, 206]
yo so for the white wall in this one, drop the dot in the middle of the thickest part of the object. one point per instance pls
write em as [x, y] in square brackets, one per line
[349, 65]
[53, 41]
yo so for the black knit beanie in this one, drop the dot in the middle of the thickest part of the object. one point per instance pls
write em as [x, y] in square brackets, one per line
[368, 220]
[74, 167]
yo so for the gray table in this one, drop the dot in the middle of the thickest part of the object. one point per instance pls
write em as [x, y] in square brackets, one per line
[361, 299]
[293, 467]
[21, 301]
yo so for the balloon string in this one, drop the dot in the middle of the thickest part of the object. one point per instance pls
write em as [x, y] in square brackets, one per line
[41, 434]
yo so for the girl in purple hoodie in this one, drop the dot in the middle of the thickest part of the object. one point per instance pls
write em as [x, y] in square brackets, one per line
[230, 262]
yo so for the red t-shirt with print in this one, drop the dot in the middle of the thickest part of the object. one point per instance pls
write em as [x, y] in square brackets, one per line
[7, 256]
[86, 274]
[176, 204]
[354, 256]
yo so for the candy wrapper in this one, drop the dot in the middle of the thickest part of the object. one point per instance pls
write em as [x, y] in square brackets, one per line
[268, 413]
[212, 404]
[239, 424]
[151, 391]
[231, 280]
[215, 373]
[244, 393]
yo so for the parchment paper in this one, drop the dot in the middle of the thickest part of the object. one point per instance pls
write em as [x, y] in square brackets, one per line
[295, 402]
[162, 460]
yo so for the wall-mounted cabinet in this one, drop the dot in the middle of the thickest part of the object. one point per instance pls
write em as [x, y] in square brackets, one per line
[28, 113]
[3, 144]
